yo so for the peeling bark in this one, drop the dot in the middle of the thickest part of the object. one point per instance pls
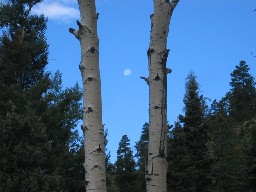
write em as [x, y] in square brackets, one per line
[95, 171]
[157, 57]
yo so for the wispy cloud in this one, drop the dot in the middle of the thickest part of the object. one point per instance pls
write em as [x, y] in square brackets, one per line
[60, 10]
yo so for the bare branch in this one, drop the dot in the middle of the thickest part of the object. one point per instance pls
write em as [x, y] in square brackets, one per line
[146, 79]
[168, 71]
[79, 24]
[74, 32]
[173, 4]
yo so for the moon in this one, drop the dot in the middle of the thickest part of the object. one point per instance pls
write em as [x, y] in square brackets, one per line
[127, 72]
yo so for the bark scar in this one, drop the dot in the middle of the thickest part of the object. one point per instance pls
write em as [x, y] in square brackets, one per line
[81, 67]
[150, 51]
[89, 79]
[89, 110]
[157, 78]
[98, 150]
[92, 50]
[84, 128]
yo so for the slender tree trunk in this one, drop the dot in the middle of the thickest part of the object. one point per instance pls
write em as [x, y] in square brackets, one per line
[157, 56]
[95, 172]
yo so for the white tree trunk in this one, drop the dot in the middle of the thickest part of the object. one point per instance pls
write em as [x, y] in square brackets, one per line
[157, 56]
[95, 172]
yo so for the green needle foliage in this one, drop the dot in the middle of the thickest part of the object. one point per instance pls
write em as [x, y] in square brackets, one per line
[125, 167]
[40, 148]
[242, 94]
[141, 154]
[222, 147]
[189, 163]
[249, 144]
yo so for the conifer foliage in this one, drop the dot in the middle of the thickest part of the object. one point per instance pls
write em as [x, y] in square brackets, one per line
[242, 94]
[39, 147]
[188, 150]
[125, 166]
[141, 154]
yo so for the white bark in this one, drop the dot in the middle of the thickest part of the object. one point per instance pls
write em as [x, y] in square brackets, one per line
[95, 172]
[157, 56]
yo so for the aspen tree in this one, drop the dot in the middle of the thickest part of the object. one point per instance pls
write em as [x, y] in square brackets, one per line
[157, 56]
[95, 171]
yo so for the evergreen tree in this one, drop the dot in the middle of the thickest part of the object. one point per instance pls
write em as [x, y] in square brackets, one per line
[141, 154]
[241, 101]
[230, 140]
[242, 98]
[249, 147]
[196, 134]
[192, 134]
[242, 94]
[24, 148]
[125, 167]
[178, 160]
[223, 145]
[37, 116]
[61, 114]
[110, 169]
[23, 54]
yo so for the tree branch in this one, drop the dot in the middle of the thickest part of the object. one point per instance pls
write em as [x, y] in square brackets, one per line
[146, 79]
[79, 24]
[168, 71]
[74, 32]
[173, 4]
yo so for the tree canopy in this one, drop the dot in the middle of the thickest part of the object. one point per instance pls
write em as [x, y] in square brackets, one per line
[40, 146]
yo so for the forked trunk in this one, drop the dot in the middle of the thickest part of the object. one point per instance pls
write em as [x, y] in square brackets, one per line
[95, 172]
[157, 56]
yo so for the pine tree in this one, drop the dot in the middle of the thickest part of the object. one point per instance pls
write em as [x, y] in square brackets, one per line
[23, 57]
[24, 54]
[249, 148]
[178, 160]
[241, 102]
[37, 116]
[230, 139]
[196, 133]
[242, 94]
[125, 167]
[188, 142]
[61, 114]
[222, 147]
[141, 154]
[24, 148]
[110, 168]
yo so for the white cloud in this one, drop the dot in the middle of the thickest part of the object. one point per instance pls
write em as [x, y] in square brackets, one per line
[127, 72]
[61, 10]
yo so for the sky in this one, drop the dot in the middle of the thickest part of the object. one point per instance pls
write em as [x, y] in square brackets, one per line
[208, 37]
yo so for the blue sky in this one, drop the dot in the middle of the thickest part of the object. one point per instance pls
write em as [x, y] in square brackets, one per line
[208, 37]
